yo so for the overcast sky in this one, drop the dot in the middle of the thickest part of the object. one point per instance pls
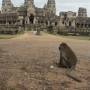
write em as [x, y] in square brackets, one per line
[61, 5]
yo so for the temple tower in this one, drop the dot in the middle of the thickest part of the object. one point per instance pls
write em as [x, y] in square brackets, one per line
[7, 6]
[51, 6]
[30, 7]
[30, 11]
[27, 2]
[82, 12]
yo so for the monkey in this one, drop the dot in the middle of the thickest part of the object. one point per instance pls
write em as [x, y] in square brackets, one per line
[68, 60]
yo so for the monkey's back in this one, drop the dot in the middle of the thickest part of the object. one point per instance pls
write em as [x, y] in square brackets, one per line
[71, 56]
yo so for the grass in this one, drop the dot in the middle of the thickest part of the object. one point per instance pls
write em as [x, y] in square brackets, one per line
[77, 37]
[6, 36]
[73, 37]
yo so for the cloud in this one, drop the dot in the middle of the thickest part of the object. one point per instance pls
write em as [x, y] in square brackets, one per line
[71, 5]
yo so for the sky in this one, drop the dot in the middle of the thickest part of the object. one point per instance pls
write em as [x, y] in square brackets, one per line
[61, 5]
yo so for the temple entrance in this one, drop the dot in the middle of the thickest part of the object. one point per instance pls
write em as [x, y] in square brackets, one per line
[31, 18]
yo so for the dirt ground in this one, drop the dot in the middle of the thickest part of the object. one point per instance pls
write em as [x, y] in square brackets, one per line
[28, 62]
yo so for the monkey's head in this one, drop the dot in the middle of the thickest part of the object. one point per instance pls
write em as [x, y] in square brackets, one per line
[62, 46]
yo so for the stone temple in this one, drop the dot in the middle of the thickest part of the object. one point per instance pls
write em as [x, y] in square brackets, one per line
[29, 17]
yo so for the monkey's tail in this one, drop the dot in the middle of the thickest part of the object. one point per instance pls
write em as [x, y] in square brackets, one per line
[72, 75]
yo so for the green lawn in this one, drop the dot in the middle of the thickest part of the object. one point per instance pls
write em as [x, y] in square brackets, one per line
[2, 36]
[77, 37]
[7, 36]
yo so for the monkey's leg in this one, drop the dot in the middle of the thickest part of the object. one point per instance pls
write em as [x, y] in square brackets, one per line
[65, 62]
[61, 60]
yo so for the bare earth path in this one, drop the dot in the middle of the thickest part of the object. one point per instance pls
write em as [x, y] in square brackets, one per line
[28, 62]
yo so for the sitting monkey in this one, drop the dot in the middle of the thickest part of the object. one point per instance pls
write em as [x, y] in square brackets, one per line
[67, 57]
[68, 60]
